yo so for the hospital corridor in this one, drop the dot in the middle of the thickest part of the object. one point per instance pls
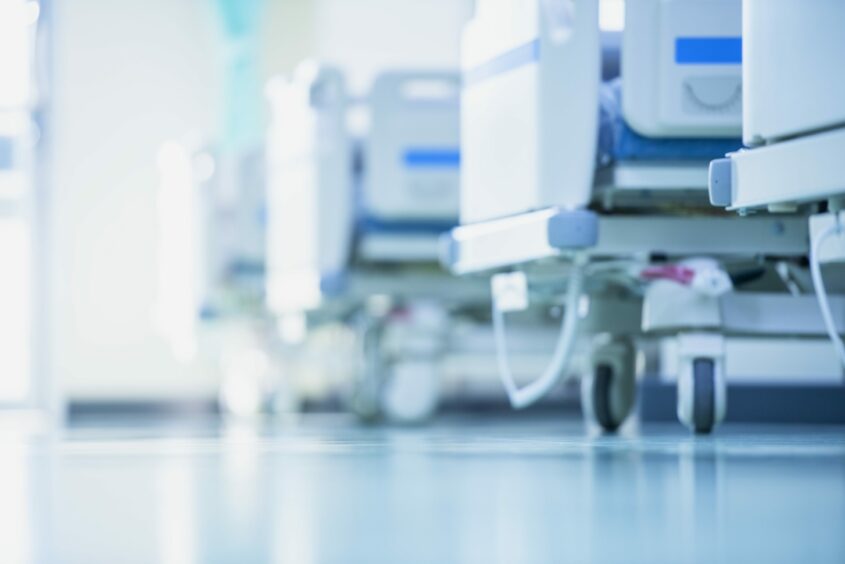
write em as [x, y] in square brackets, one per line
[423, 281]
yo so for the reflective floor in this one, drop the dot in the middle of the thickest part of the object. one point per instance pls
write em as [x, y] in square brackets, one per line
[486, 489]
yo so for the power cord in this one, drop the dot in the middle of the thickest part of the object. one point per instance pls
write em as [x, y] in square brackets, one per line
[821, 290]
[523, 397]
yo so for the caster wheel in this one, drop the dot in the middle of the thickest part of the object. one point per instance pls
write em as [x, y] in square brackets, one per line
[702, 392]
[601, 398]
[410, 395]
[607, 394]
[364, 400]
[364, 403]
[704, 395]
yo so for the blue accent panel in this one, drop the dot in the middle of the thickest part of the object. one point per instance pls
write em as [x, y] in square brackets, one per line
[708, 50]
[432, 158]
[207, 312]
[246, 267]
[333, 283]
[445, 104]
[450, 250]
[405, 227]
[630, 145]
[507, 61]
[719, 180]
[7, 153]
[573, 229]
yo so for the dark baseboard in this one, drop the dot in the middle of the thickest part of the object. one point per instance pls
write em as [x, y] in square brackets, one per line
[765, 403]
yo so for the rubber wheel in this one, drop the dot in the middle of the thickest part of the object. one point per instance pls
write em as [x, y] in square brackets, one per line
[364, 401]
[704, 395]
[601, 398]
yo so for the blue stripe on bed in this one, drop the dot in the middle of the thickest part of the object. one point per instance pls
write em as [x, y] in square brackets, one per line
[515, 58]
[371, 224]
[420, 157]
[7, 152]
[708, 50]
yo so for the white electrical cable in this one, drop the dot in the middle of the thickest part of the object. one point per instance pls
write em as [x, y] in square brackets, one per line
[821, 291]
[523, 397]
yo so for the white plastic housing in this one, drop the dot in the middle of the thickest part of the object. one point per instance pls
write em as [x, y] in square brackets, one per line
[670, 305]
[793, 74]
[681, 71]
[529, 105]
[412, 157]
[806, 168]
[309, 187]
[834, 248]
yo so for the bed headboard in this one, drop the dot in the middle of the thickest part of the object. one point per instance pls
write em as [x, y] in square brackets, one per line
[529, 119]
[681, 68]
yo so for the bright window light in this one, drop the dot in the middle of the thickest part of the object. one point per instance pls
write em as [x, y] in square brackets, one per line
[15, 321]
[612, 15]
[177, 302]
[16, 32]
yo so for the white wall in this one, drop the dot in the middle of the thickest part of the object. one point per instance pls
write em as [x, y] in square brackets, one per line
[289, 34]
[128, 76]
[367, 36]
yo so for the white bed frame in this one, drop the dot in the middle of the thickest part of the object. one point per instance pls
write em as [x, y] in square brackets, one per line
[530, 185]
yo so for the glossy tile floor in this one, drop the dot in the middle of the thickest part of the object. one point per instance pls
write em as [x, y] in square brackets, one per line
[506, 488]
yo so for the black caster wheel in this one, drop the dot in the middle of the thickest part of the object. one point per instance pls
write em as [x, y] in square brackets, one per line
[601, 398]
[704, 395]
[608, 396]
[364, 401]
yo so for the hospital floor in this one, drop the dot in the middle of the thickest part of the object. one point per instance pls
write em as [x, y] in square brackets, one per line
[502, 487]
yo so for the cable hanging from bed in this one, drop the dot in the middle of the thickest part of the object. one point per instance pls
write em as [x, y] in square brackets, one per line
[821, 291]
[523, 397]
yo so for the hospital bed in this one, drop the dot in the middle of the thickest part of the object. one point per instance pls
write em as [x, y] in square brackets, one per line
[359, 192]
[579, 192]
[380, 195]
[794, 128]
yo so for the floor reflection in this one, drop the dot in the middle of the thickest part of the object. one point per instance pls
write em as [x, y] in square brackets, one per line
[506, 490]
[16, 496]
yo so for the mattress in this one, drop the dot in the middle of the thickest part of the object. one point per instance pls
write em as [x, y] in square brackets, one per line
[618, 142]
